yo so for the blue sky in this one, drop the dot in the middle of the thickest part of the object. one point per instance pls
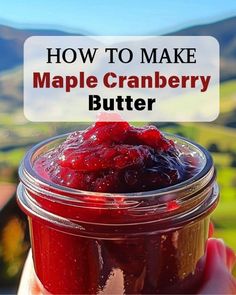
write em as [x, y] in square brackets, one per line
[123, 17]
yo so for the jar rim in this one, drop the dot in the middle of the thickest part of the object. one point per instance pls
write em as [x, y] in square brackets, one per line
[192, 198]
[28, 174]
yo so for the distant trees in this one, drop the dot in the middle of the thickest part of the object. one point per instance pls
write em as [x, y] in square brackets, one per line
[233, 162]
[8, 173]
[213, 148]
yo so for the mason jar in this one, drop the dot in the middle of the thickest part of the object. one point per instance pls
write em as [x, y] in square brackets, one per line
[109, 243]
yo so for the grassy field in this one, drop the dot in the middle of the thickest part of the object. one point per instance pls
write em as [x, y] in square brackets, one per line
[228, 97]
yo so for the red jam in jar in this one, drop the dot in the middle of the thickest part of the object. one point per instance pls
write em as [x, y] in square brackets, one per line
[116, 209]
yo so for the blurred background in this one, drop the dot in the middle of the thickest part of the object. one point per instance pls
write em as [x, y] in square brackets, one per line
[18, 20]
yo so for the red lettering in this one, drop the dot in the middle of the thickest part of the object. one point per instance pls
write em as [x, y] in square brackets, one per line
[40, 82]
[106, 81]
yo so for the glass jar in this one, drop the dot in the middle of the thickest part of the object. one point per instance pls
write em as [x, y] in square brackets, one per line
[102, 243]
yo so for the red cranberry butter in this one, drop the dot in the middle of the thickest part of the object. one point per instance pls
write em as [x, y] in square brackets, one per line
[116, 209]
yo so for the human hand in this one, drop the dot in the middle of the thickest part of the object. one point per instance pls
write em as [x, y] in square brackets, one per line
[218, 279]
[220, 260]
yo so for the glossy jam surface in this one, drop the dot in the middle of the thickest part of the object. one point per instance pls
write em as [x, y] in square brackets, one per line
[116, 157]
